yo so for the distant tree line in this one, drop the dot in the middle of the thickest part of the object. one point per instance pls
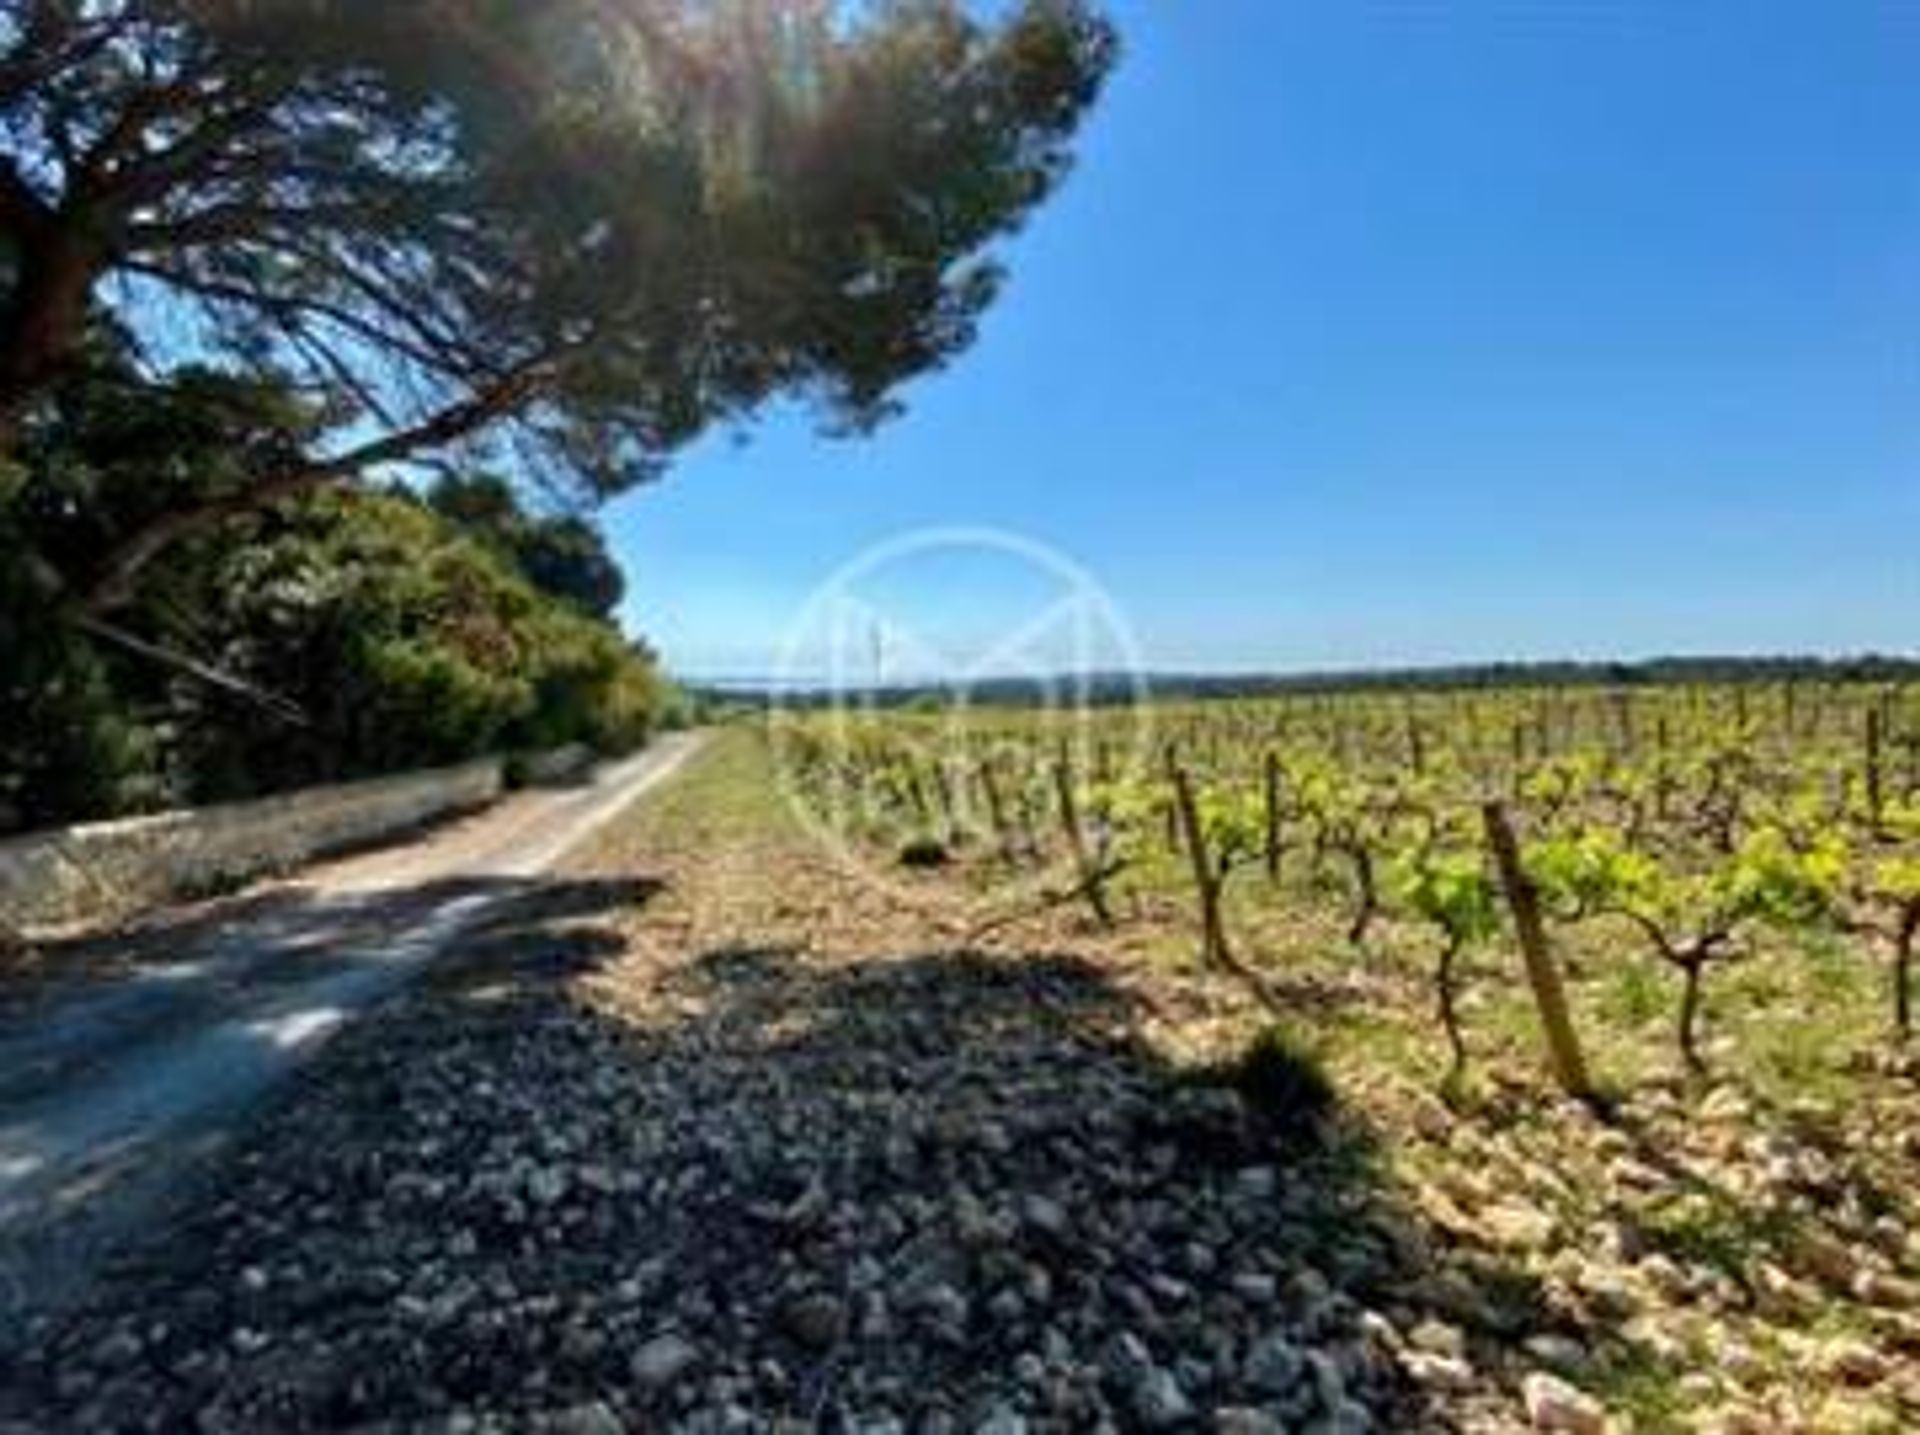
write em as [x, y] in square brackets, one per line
[1111, 688]
[1556, 673]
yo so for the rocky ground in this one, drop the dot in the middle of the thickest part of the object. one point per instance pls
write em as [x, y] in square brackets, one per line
[757, 1146]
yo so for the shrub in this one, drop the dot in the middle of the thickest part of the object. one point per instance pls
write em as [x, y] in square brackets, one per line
[400, 642]
[352, 632]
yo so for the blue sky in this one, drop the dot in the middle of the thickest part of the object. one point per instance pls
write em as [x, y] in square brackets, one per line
[1371, 333]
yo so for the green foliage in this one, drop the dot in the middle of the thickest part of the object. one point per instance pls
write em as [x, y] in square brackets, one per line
[1233, 822]
[67, 746]
[589, 686]
[1895, 879]
[588, 231]
[1588, 871]
[1772, 879]
[353, 633]
[404, 643]
[112, 452]
[1768, 878]
[1561, 780]
[563, 556]
[1451, 889]
[1127, 803]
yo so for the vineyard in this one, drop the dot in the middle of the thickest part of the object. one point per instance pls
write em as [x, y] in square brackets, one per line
[1676, 831]
[1620, 980]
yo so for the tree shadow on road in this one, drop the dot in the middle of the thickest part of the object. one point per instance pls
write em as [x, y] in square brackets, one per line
[119, 1099]
[290, 921]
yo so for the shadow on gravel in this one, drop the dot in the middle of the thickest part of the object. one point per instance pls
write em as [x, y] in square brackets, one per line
[933, 1189]
[539, 933]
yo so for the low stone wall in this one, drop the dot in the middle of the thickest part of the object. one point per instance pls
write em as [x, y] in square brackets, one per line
[102, 872]
[558, 766]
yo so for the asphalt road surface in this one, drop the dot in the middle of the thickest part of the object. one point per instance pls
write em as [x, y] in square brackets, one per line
[121, 1080]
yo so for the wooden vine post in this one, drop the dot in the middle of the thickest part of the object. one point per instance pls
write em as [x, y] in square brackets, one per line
[1086, 866]
[943, 789]
[917, 794]
[1623, 720]
[997, 814]
[1272, 794]
[1206, 880]
[1875, 803]
[1563, 1043]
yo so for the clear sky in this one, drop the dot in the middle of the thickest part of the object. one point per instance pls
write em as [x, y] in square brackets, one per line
[1370, 333]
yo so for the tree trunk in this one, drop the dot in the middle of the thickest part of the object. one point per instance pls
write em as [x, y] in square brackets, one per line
[943, 790]
[1563, 1043]
[917, 795]
[1872, 762]
[1030, 825]
[1903, 970]
[1366, 895]
[1691, 970]
[1272, 776]
[44, 323]
[1206, 881]
[997, 815]
[1443, 994]
[1084, 864]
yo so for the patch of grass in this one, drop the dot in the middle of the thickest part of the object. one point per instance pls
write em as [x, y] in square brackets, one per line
[1372, 1037]
[1633, 992]
[1633, 1383]
[725, 792]
[1798, 1010]
[1708, 1229]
